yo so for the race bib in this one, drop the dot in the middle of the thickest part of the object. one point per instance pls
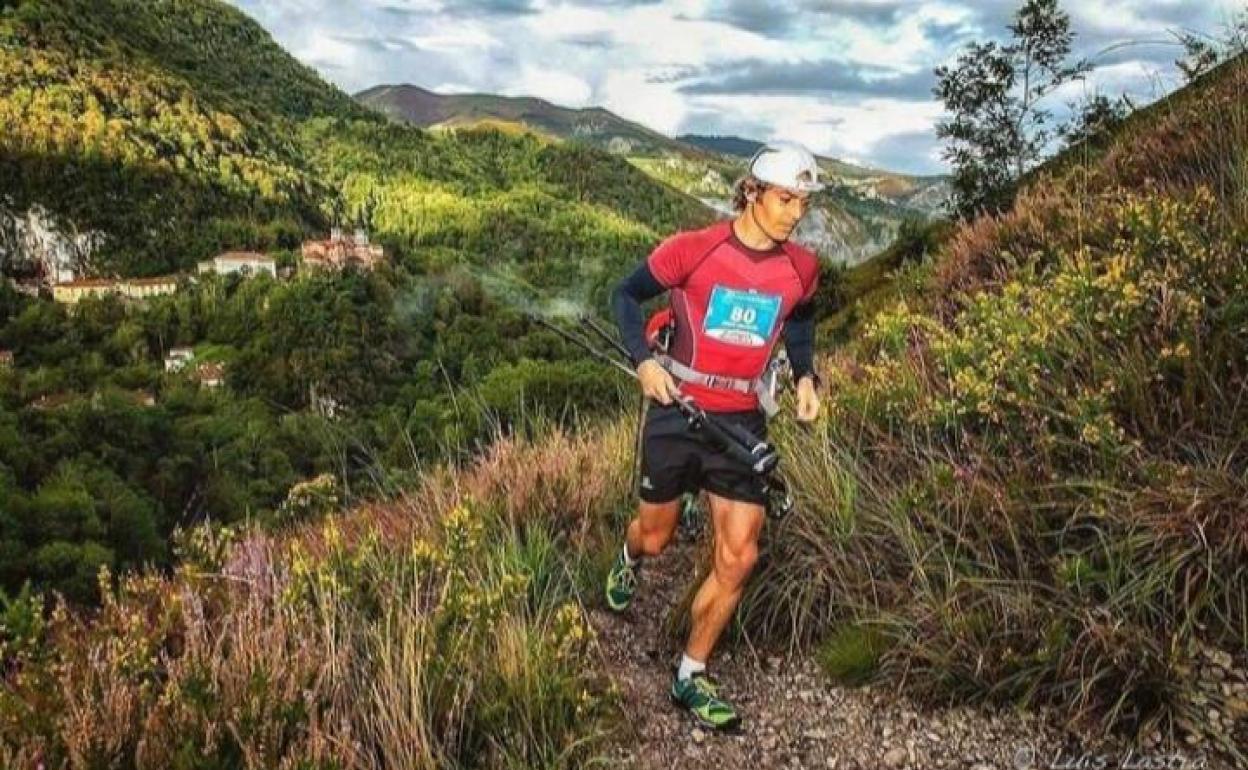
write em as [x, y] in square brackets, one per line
[744, 318]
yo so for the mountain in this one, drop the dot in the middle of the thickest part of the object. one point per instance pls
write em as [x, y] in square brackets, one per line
[594, 126]
[138, 130]
[859, 216]
[723, 145]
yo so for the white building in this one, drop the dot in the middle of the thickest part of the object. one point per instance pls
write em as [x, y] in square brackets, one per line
[72, 292]
[178, 358]
[246, 263]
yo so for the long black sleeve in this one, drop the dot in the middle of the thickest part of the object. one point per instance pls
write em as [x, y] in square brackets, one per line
[799, 339]
[626, 301]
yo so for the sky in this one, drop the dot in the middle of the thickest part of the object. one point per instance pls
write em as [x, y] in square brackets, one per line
[851, 79]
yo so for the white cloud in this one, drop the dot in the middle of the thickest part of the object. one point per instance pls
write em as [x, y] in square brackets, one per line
[837, 130]
[454, 39]
[1137, 78]
[631, 57]
[325, 51]
[452, 87]
[551, 85]
[657, 105]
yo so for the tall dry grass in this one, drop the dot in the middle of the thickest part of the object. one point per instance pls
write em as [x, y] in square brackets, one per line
[443, 630]
[1030, 486]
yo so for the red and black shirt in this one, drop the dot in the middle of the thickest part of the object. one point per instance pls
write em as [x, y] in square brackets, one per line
[730, 303]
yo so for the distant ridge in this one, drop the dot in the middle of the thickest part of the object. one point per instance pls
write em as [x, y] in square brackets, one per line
[726, 145]
[594, 125]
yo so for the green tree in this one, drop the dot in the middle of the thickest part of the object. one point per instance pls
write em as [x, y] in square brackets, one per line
[995, 94]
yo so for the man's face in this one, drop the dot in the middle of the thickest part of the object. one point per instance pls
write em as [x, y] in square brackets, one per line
[779, 210]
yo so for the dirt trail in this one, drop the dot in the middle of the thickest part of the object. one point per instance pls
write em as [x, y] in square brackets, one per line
[794, 717]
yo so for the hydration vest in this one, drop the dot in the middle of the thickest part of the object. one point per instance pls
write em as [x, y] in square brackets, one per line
[660, 330]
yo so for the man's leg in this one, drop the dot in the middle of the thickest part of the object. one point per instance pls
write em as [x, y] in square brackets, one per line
[737, 526]
[647, 535]
[652, 529]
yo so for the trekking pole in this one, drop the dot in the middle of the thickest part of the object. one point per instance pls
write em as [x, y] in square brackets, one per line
[586, 346]
[606, 336]
[757, 455]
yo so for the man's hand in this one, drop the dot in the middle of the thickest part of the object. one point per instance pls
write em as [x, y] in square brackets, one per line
[807, 400]
[657, 382]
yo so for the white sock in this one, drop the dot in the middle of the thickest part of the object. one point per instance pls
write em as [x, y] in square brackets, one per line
[630, 561]
[689, 667]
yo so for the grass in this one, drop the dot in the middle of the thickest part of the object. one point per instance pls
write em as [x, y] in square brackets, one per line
[443, 629]
[851, 655]
[1030, 480]
[855, 294]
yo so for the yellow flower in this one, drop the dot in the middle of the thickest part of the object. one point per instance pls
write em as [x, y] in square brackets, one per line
[1091, 433]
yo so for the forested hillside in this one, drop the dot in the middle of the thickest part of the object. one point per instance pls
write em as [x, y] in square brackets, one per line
[163, 126]
[171, 130]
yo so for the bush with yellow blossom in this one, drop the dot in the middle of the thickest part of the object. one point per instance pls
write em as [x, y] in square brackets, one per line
[1010, 482]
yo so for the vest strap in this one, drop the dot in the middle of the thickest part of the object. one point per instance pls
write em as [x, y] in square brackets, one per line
[763, 387]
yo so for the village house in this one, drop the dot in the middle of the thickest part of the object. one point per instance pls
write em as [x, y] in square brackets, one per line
[49, 401]
[210, 374]
[244, 263]
[73, 292]
[142, 288]
[177, 359]
[338, 251]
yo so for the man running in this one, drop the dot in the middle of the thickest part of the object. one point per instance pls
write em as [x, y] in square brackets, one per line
[734, 286]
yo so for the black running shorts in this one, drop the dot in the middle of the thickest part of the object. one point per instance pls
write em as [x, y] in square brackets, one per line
[676, 459]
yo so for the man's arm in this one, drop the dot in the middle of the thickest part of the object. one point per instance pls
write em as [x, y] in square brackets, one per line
[626, 301]
[799, 341]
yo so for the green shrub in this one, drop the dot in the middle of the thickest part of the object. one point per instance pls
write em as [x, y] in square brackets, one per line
[851, 654]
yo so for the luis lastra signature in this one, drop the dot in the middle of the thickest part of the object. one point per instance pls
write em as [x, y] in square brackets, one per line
[1026, 758]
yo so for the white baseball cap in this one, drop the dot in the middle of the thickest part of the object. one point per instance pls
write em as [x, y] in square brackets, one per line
[786, 164]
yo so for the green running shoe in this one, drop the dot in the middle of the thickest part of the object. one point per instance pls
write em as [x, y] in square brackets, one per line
[621, 583]
[697, 695]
